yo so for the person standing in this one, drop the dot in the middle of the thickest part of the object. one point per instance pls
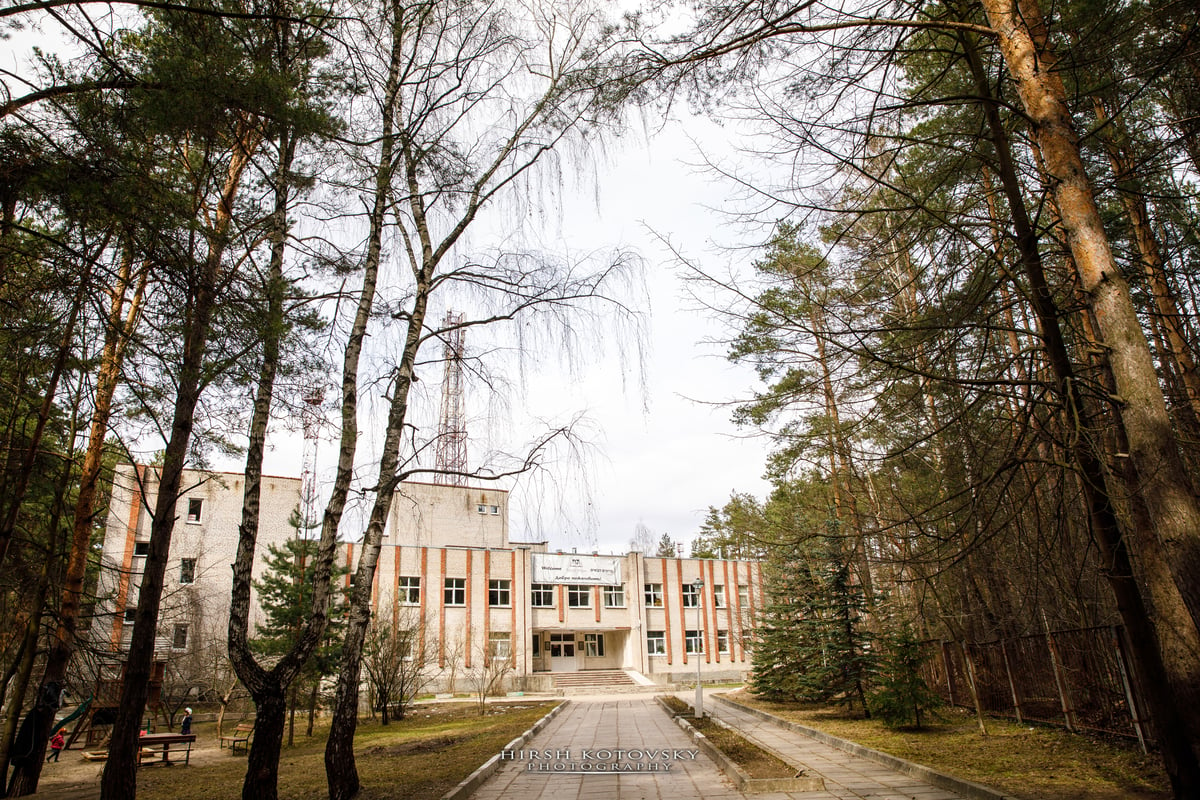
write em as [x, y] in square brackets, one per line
[186, 727]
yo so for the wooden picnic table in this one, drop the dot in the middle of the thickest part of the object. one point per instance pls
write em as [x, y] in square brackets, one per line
[151, 744]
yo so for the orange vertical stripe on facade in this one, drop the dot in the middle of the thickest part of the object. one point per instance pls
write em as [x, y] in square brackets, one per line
[596, 592]
[349, 563]
[442, 616]
[396, 593]
[711, 636]
[666, 613]
[467, 625]
[679, 592]
[729, 611]
[135, 511]
[561, 602]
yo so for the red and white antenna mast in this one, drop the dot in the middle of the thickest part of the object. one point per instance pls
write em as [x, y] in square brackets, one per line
[451, 451]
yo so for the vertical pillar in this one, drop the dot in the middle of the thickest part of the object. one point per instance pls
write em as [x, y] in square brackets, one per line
[1060, 680]
[1135, 715]
[1012, 686]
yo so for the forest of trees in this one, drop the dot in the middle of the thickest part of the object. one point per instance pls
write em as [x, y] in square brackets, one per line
[972, 305]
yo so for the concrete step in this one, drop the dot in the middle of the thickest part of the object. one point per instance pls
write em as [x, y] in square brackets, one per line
[634, 688]
[598, 678]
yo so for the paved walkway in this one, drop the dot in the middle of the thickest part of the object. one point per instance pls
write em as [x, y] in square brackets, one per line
[592, 729]
[591, 726]
[847, 777]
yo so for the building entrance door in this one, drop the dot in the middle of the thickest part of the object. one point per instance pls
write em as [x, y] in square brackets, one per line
[562, 652]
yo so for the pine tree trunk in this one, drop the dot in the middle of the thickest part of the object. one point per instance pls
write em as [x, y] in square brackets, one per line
[26, 753]
[1146, 649]
[117, 332]
[119, 779]
[1166, 486]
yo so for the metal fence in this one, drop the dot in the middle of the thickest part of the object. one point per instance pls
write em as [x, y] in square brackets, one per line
[1075, 678]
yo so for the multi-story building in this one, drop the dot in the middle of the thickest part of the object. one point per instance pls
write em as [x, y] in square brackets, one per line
[449, 570]
[196, 590]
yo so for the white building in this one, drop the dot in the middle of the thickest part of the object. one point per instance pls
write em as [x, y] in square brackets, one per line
[448, 567]
[199, 576]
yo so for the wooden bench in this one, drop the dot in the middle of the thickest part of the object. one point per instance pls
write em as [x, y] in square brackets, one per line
[241, 735]
[156, 747]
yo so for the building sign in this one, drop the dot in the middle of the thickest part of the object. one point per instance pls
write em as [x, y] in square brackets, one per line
[575, 569]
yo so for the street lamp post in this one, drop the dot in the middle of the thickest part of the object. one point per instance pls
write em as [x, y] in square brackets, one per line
[698, 585]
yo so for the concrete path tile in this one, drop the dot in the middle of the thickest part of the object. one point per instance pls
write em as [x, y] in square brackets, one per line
[572, 758]
[847, 777]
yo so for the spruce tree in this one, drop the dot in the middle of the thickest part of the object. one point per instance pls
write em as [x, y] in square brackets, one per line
[285, 595]
[786, 652]
[903, 696]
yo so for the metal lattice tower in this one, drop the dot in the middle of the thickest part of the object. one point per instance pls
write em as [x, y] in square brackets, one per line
[452, 423]
[310, 418]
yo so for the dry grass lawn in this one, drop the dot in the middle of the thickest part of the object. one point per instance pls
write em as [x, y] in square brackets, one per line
[419, 758]
[1037, 763]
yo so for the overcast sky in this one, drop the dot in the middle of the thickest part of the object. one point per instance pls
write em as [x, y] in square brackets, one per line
[665, 449]
[672, 452]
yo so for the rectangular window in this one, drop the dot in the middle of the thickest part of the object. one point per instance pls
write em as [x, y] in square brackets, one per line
[481, 508]
[541, 595]
[500, 644]
[579, 597]
[500, 592]
[743, 596]
[141, 548]
[179, 637]
[409, 590]
[593, 645]
[187, 570]
[195, 509]
[456, 592]
[130, 615]
[691, 596]
[614, 596]
[693, 641]
[656, 643]
[536, 639]
[719, 595]
[722, 641]
[494, 510]
[654, 597]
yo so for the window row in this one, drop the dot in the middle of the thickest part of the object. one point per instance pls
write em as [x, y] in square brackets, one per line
[541, 595]
[691, 595]
[693, 642]
[408, 592]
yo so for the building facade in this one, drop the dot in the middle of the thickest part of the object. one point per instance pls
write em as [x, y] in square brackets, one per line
[199, 577]
[449, 571]
[448, 568]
